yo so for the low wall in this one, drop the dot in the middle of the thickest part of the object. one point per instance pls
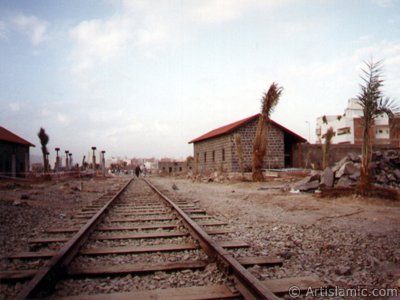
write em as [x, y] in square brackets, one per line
[310, 155]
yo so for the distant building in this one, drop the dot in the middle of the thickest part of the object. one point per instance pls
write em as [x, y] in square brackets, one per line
[348, 127]
[172, 167]
[14, 154]
[216, 150]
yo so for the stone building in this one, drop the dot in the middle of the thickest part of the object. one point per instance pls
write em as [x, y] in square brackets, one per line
[216, 150]
[14, 154]
[172, 167]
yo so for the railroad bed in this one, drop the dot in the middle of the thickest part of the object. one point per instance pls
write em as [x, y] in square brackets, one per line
[135, 243]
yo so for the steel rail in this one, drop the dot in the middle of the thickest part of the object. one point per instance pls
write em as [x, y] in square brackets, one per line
[45, 278]
[249, 286]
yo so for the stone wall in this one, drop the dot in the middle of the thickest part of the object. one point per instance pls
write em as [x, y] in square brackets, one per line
[213, 155]
[173, 167]
[274, 158]
[310, 155]
[214, 147]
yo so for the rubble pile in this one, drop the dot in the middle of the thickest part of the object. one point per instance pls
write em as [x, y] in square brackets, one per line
[385, 171]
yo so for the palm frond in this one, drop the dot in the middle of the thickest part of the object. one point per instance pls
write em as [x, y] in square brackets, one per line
[388, 106]
[270, 99]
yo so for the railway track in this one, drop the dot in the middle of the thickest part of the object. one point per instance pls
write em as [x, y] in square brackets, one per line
[136, 243]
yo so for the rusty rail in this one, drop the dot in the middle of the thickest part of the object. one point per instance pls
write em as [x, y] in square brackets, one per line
[56, 267]
[249, 286]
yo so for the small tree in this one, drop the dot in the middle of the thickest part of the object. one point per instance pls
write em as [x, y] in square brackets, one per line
[239, 151]
[44, 140]
[373, 105]
[326, 147]
[268, 103]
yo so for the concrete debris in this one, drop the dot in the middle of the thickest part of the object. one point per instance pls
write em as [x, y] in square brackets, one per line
[327, 178]
[385, 171]
[348, 168]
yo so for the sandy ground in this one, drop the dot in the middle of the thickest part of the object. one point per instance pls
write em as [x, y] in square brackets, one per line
[347, 241]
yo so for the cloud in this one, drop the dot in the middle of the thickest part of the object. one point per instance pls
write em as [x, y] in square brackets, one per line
[98, 41]
[3, 30]
[63, 119]
[33, 27]
[15, 106]
[161, 127]
[383, 3]
[151, 28]
[221, 11]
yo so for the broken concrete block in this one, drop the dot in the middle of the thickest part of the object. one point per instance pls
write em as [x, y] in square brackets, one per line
[309, 186]
[355, 176]
[327, 178]
[339, 164]
[354, 157]
[315, 175]
[348, 168]
[382, 178]
[302, 182]
[345, 181]
[396, 173]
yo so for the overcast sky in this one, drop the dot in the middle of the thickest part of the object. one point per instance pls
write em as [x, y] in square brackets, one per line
[142, 78]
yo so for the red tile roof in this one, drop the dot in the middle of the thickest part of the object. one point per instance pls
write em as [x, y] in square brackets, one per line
[233, 126]
[6, 135]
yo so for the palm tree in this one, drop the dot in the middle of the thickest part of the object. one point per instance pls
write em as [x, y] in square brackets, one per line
[326, 147]
[268, 103]
[373, 105]
[44, 139]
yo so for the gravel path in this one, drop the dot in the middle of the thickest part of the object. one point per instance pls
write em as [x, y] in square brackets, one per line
[346, 242]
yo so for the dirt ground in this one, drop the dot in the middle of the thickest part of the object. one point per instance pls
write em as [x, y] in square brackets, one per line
[346, 242]
[27, 209]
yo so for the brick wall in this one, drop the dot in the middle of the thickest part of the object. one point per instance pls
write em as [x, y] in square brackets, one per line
[394, 129]
[274, 158]
[395, 132]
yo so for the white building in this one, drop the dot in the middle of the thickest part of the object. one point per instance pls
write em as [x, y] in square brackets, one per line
[347, 127]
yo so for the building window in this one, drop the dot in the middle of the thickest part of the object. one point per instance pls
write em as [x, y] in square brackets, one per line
[223, 154]
[205, 156]
[213, 156]
[344, 130]
[197, 158]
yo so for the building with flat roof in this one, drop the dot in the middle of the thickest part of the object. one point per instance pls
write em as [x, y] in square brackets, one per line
[348, 127]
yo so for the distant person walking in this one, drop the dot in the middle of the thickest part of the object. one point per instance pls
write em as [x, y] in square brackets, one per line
[137, 171]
